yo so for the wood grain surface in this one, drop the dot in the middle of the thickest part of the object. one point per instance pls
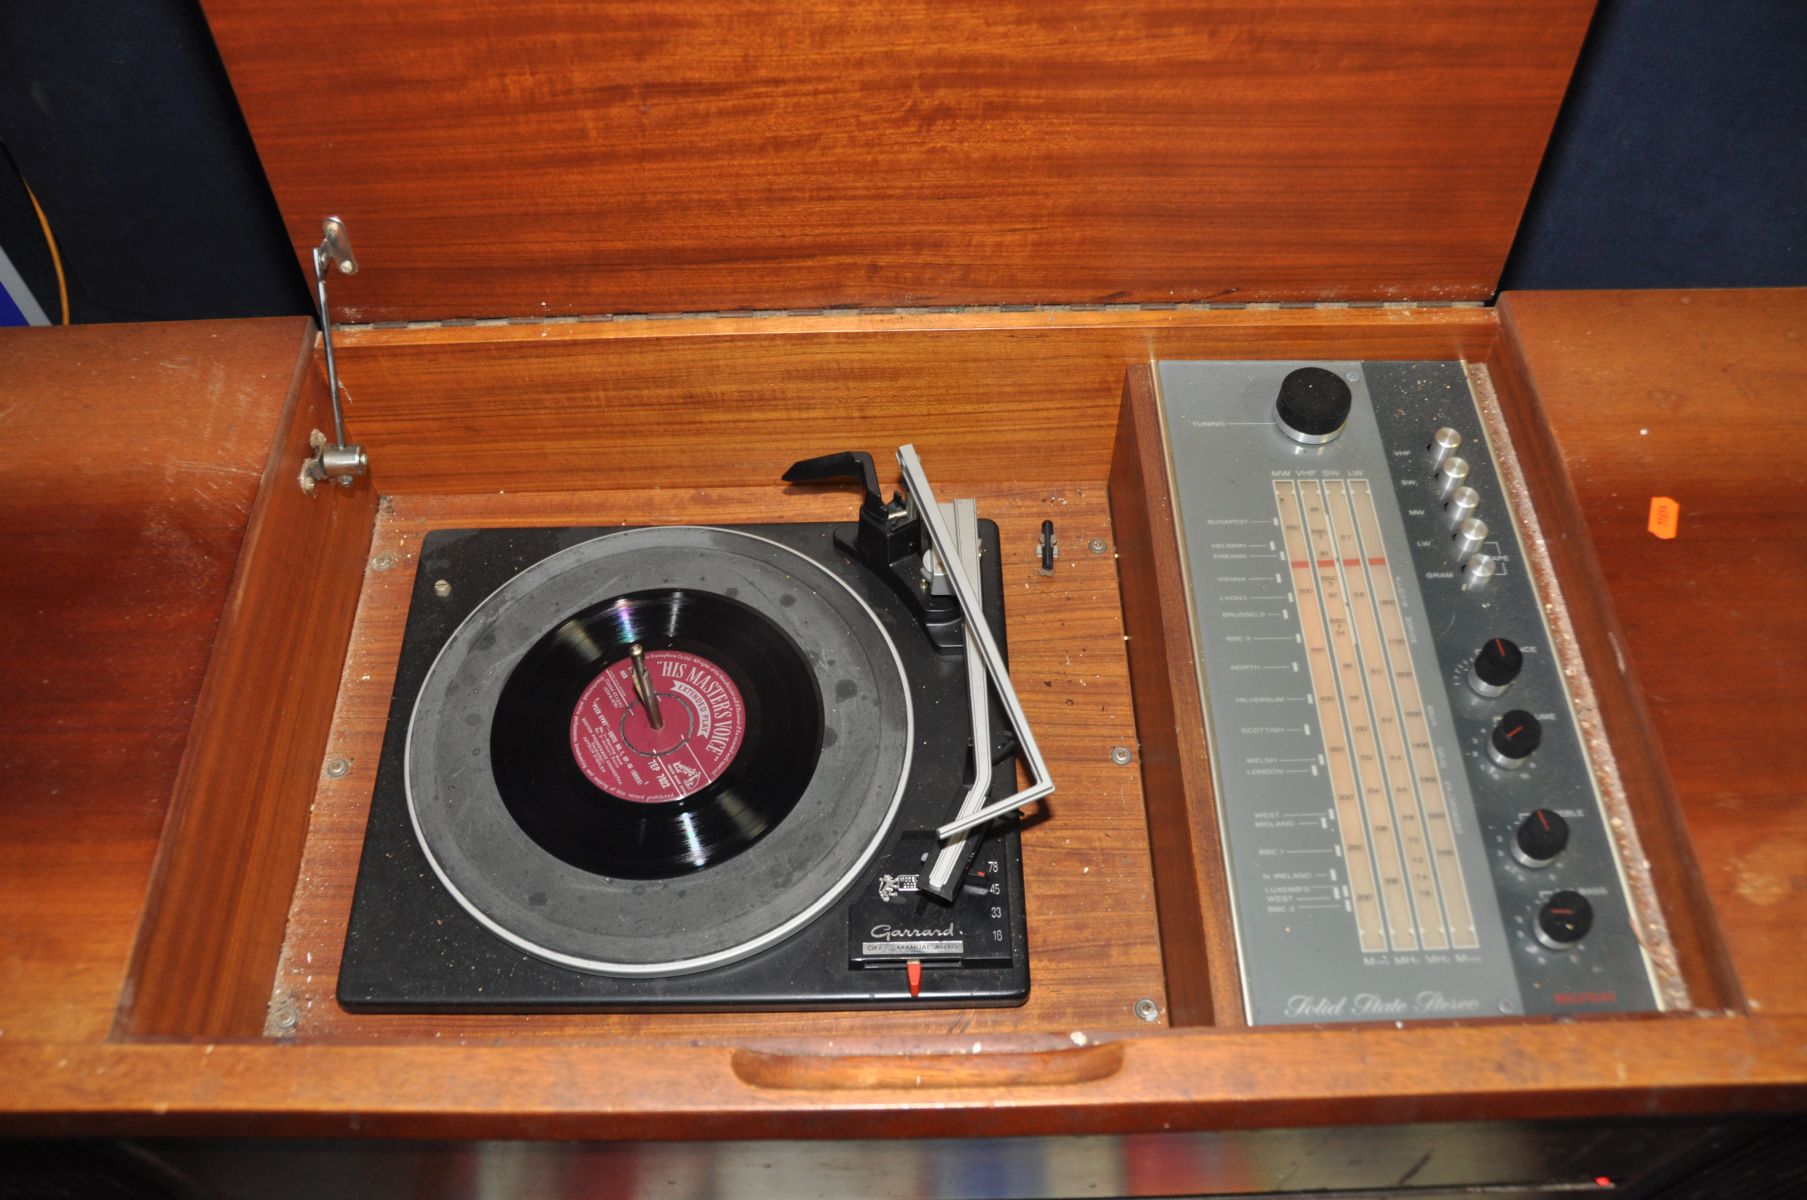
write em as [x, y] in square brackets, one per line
[1086, 874]
[131, 456]
[669, 157]
[1697, 396]
[1662, 875]
[1198, 936]
[635, 404]
[226, 868]
[1170, 1080]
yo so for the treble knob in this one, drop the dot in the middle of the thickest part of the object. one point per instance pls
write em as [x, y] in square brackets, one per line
[1313, 406]
[1539, 838]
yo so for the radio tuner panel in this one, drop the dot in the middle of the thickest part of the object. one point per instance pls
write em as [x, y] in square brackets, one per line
[1412, 825]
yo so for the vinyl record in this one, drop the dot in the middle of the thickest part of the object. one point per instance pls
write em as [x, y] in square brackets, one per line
[545, 809]
[584, 771]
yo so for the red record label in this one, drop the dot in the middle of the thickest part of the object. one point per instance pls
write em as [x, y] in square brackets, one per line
[703, 719]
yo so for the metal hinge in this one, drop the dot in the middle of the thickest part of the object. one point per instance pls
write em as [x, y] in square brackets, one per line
[336, 459]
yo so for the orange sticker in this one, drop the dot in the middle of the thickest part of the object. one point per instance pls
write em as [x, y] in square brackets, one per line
[1665, 515]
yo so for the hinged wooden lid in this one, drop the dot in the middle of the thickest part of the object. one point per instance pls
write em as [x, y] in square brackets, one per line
[525, 160]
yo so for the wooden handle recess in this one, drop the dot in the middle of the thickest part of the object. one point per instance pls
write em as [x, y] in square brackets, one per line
[855, 1072]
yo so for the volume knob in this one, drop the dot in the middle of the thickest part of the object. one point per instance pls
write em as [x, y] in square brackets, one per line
[1514, 739]
[1495, 667]
[1313, 406]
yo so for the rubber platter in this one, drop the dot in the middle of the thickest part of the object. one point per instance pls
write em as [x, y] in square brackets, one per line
[581, 833]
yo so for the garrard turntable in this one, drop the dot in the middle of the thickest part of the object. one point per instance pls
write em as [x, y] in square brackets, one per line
[692, 767]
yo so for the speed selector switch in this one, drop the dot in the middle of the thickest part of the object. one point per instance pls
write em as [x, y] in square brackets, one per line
[1495, 667]
[1313, 406]
[1540, 838]
[1564, 920]
[1514, 739]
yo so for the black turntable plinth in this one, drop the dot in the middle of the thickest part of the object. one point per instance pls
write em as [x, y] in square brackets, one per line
[679, 768]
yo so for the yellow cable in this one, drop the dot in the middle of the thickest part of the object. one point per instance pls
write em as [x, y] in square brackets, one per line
[56, 257]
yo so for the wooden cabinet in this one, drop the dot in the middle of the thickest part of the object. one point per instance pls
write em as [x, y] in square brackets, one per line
[254, 859]
[202, 651]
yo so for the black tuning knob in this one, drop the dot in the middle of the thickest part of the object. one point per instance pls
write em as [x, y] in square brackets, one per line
[1513, 739]
[1313, 405]
[1495, 667]
[1540, 838]
[1564, 920]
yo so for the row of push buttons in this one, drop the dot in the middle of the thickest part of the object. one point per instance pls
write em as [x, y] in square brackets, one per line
[1468, 532]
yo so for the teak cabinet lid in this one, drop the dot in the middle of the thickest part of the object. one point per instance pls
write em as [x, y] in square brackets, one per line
[503, 160]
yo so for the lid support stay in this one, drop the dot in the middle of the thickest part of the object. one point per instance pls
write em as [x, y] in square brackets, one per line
[335, 460]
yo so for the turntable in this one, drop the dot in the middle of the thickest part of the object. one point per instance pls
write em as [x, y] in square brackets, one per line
[689, 767]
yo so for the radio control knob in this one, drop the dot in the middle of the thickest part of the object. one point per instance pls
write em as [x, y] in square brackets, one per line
[1444, 443]
[1469, 536]
[1564, 920]
[1460, 504]
[1452, 474]
[1514, 739]
[1313, 406]
[1477, 571]
[1495, 667]
[1540, 838]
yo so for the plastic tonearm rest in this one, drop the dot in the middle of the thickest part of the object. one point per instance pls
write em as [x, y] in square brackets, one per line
[848, 466]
